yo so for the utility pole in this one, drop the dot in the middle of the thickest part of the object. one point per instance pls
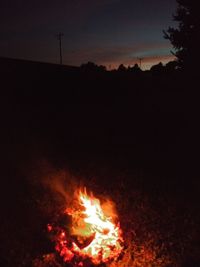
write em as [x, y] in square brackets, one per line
[59, 36]
[140, 60]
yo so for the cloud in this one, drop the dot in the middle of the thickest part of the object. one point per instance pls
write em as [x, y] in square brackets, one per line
[147, 62]
[115, 55]
[95, 30]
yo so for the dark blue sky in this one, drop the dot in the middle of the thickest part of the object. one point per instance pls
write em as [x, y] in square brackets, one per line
[106, 32]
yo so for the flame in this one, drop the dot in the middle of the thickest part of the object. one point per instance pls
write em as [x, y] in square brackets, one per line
[93, 235]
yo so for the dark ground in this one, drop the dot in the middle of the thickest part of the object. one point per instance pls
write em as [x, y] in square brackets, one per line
[141, 129]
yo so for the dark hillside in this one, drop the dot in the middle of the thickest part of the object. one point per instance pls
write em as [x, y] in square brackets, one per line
[142, 127]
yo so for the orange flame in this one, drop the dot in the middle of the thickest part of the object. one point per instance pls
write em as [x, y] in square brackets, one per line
[95, 235]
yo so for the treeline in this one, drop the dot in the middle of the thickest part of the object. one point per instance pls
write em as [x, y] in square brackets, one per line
[170, 67]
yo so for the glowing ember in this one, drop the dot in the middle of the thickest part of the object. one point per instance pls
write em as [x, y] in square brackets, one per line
[93, 234]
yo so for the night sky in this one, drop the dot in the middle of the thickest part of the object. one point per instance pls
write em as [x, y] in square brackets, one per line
[108, 32]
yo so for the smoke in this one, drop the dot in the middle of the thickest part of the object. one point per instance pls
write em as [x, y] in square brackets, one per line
[61, 183]
[52, 188]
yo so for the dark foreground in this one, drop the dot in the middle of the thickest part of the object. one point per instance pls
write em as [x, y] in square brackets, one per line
[133, 136]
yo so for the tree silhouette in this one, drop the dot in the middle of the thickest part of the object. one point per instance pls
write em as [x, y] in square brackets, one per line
[91, 66]
[158, 68]
[135, 69]
[171, 66]
[185, 38]
[122, 68]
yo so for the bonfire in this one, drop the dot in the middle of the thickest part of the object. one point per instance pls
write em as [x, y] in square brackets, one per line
[91, 234]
